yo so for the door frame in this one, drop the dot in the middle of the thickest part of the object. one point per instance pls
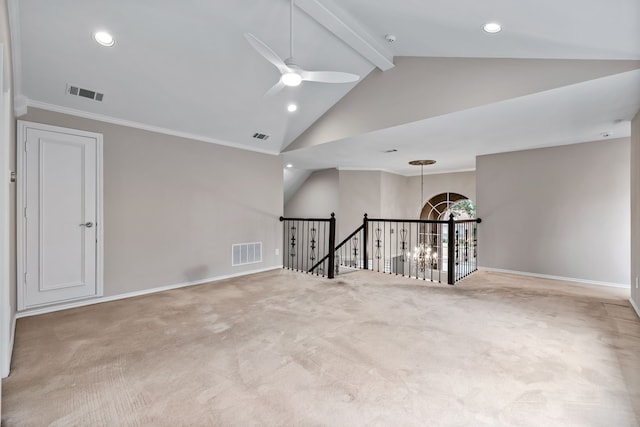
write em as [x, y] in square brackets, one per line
[20, 208]
[7, 319]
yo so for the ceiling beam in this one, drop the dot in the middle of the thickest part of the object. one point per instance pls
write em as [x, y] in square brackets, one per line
[347, 29]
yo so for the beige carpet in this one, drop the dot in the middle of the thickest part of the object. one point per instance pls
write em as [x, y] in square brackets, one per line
[283, 348]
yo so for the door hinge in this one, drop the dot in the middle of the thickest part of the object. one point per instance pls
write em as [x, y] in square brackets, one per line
[25, 211]
[26, 276]
[25, 144]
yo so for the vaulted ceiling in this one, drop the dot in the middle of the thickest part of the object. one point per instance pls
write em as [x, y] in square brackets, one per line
[558, 73]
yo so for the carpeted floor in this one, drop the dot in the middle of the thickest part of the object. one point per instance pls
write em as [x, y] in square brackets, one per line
[284, 348]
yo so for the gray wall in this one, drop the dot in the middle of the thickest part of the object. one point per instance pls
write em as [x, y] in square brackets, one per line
[173, 207]
[395, 196]
[360, 193]
[561, 211]
[635, 210]
[316, 198]
[460, 182]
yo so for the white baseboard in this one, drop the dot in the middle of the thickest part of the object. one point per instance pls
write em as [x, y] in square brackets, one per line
[635, 307]
[75, 304]
[6, 362]
[566, 279]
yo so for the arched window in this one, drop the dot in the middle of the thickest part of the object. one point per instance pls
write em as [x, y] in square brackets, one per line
[435, 237]
[440, 206]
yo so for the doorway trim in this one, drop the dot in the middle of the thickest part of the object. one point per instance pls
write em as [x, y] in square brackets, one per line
[7, 317]
[20, 208]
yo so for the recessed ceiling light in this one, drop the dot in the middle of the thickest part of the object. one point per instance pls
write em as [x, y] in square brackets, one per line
[492, 27]
[289, 165]
[292, 107]
[104, 39]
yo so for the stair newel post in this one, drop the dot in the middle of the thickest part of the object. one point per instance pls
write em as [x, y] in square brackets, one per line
[284, 242]
[332, 246]
[365, 237]
[451, 251]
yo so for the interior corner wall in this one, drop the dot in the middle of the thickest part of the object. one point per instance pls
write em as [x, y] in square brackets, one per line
[561, 211]
[456, 182]
[635, 212]
[317, 197]
[359, 194]
[394, 194]
[173, 206]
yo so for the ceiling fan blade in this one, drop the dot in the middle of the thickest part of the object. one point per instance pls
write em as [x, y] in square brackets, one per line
[274, 89]
[329, 77]
[266, 52]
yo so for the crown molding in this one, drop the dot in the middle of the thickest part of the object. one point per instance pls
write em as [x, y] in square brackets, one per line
[137, 125]
[403, 174]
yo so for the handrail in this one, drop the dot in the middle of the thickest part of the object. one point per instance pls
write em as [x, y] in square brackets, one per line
[341, 244]
[349, 237]
[425, 221]
[305, 219]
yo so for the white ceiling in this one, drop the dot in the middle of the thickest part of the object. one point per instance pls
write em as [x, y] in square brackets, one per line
[568, 115]
[185, 68]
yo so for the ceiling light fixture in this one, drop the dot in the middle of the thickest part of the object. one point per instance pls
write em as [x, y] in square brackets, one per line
[289, 165]
[104, 39]
[492, 27]
[291, 79]
[423, 255]
[292, 107]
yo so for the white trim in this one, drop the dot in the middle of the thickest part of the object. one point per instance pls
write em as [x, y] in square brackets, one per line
[20, 105]
[364, 169]
[438, 172]
[349, 30]
[635, 307]
[20, 203]
[565, 279]
[44, 310]
[16, 55]
[6, 311]
[143, 126]
[7, 369]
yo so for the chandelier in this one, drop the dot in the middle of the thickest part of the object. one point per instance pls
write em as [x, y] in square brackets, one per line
[423, 254]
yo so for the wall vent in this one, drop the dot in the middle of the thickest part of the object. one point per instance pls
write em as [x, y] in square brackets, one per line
[261, 136]
[85, 93]
[246, 253]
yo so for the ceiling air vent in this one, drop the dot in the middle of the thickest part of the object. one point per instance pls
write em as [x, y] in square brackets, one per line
[85, 93]
[261, 136]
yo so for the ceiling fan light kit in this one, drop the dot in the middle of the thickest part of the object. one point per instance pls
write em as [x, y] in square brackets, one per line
[291, 79]
[292, 74]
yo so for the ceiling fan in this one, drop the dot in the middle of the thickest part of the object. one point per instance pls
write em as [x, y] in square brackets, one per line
[291, 73]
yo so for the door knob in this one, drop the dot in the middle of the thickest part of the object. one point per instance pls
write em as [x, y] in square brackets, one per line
[87, 224]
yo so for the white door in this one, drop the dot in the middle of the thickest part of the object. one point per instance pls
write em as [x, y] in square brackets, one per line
[60, 215]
